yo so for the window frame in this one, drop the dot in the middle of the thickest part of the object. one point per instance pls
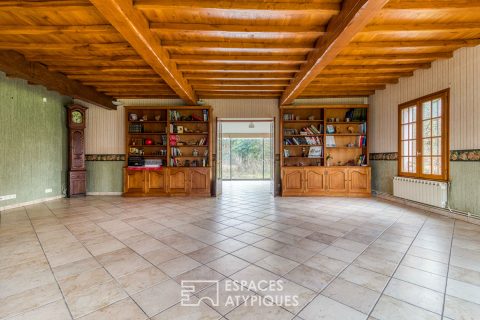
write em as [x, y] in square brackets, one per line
[444, 95]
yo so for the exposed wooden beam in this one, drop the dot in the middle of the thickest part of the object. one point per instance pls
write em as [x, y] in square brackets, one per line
[86, 77]
[134, 27]
[244, 83]
[75, 47]
[367, 74]
[344, 87]
[200, 58]
[15, 65]
[288, 6]
[239, 76]
[46, 5]
[99, 82]
[336, 94]
[201, 28]
[238, 88]
[354, 81]
[104, 70]
[264, 44]
[415, 43]
[432, 4]
[43, 30]
[423, 27]
[237, 68]
[395, 57]
[353, 17]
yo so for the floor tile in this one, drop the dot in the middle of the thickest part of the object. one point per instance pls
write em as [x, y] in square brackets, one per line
[142, 279]
[310, 278]
[421, 278]
[259, 313]
[325, 308]
[125, 309]
[326, 264]
[53, 311]
[251, 254]
[230, 245]
[228, 265]
[179, 312]
[277, 264]
[178, 266]
[463, 290]
[365, 278]
[388, 308]
[422, 297]
[159, 297]
[207, 254]
[456, 308]
[352, 295]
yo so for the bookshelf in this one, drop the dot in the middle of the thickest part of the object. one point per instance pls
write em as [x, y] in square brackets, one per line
[324, 150]
[168, 151]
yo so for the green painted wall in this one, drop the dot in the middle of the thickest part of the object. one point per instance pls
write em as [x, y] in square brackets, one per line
[464, 177]
[33, 141]
[105, 176]
[383, 172]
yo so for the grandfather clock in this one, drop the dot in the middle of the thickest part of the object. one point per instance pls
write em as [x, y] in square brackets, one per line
[77, 173]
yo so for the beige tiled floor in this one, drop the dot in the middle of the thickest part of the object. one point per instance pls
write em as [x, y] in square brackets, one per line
[125, 258]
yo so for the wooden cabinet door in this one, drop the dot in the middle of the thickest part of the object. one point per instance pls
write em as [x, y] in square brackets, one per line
[359, 180]
[337, 180]
[315, 180]
[156, 182]
[177, 181]
[200, 180]
[134, 181]
[292, 182]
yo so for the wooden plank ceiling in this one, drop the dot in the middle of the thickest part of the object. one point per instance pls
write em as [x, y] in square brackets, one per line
[240, 48]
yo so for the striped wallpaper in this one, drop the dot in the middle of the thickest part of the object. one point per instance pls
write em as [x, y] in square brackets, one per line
[461, 74]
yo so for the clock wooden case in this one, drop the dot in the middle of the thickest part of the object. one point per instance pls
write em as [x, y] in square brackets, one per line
[77, 174]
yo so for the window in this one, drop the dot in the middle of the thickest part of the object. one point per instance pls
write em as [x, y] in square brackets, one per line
[423, 137]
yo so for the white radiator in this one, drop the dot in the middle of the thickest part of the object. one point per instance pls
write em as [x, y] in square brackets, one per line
[433, 193]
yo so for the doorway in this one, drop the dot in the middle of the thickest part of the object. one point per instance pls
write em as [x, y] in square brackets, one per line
[245, 156]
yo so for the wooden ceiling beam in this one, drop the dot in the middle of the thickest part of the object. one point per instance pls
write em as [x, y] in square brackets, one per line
[344, 87]
[354, 81]
[203, 28]
[86, 77]
[239, 76]
[432, 4]
[266, 45]
[134, 27]
[327, 7]
[181, 58]
[99, 83]
[238, 88]
[353, 17]
[55, 30]
[15, 65]
[245, 83]
[82, 47]
[395, 57]
[422, 27]
[237, 68]
[44, 5]
[366, 74]
[338, 94]
[104, 70]
[414, 44]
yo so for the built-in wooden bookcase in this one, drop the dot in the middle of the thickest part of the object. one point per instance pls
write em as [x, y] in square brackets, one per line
[168, 150]
[324, 150]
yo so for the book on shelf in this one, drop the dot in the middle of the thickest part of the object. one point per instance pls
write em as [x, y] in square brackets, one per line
[288, 116]
[315, 152]
[362, 128]
[290, 132]
[357, 114]
[362, 160]
[303, 141]
[330, 129]
[330, 141]
[361, 141]
[175, 152]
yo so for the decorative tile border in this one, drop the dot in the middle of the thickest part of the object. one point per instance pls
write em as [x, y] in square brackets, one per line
[455, 155]
[465, 155]
[105, 157]
[384, 156]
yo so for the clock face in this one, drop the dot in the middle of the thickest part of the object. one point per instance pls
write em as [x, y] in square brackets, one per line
[77, 117]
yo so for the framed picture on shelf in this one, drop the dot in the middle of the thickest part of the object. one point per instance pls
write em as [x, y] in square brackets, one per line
[179, 129]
